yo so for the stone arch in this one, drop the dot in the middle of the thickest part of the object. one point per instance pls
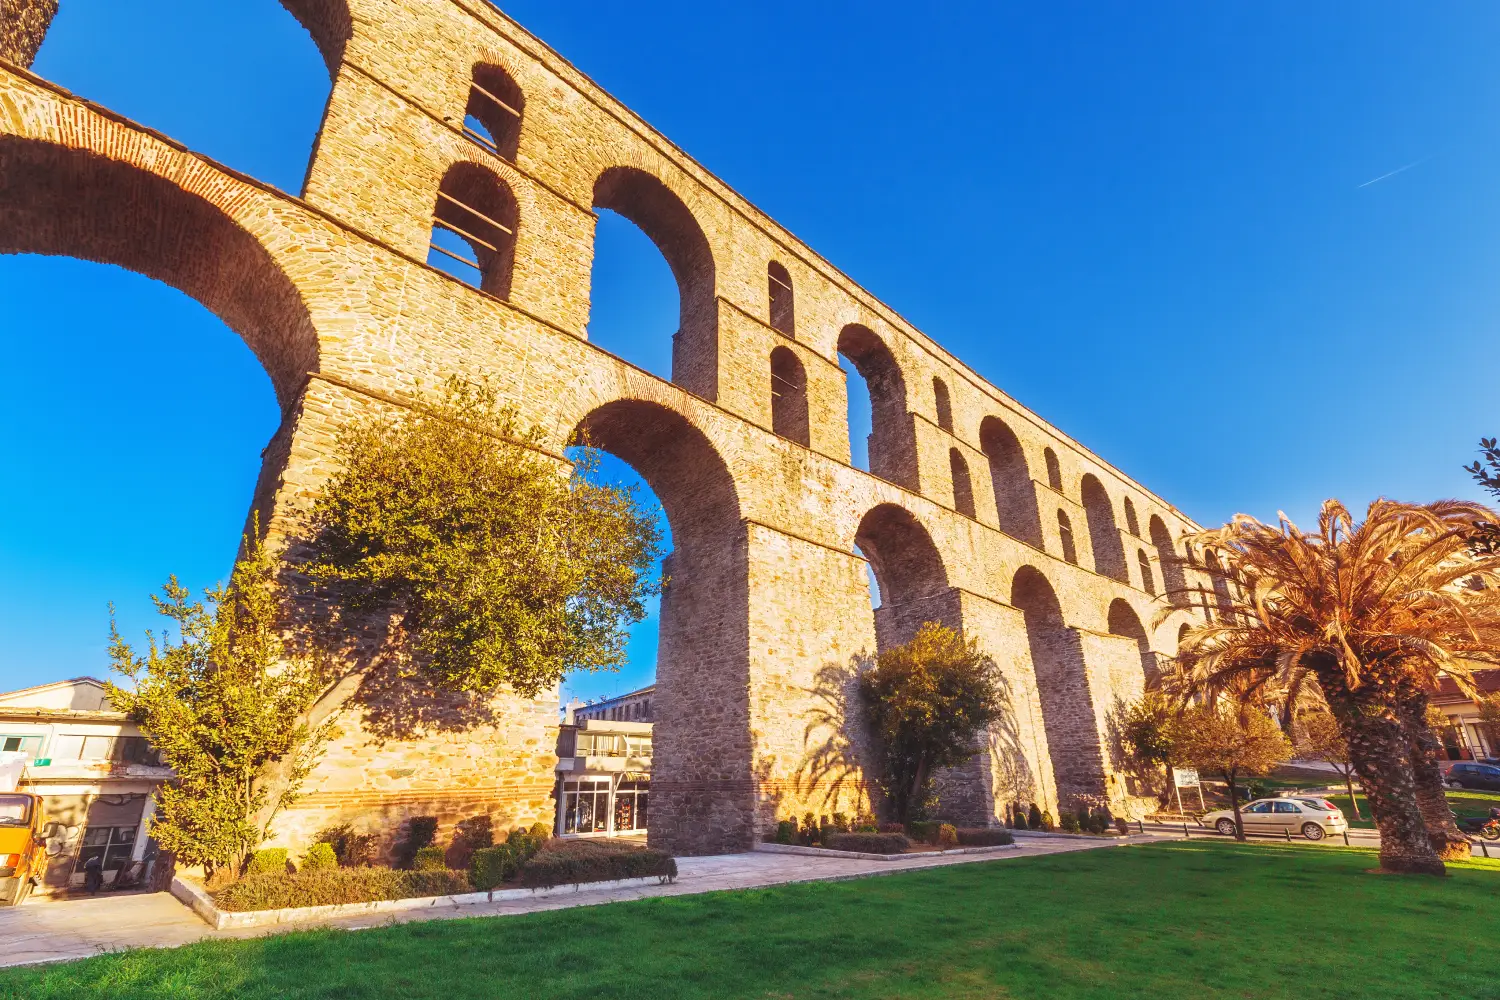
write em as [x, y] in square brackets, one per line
[329, 23]
[1219, 580]
[1123, 621]
[480, 211]
[1062, 687]
[71, 202]
[893, 454]
[1174, 583]
[662, 216]
[909, 572]
[1148, 578]
[702, 798]
[963, 486]
[1054, 469]
[498, 104]
[781, 299]
[942, 404]
[789, 396]
[1132, 523]
[1104, 533]
[1010, 478]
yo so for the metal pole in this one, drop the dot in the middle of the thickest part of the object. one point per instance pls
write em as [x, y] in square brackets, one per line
[1346, 838]
[1485, 848]
[1185, 830]
[1140, 826]
[1288, 835]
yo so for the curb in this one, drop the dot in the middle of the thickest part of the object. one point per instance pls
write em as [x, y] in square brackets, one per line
[195, 899]
[823, 852]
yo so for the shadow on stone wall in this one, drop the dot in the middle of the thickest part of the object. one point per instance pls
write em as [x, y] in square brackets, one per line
[1012, 778]
[836, 738]
[399, 702]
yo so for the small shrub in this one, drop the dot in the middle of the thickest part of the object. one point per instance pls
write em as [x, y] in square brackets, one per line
[469, 835]
[430, 859]
[490, 866]
[923, 831]
[574, 862]
[983, 836]
[892, 828]
[274, 891]
[420, 831]
[1068, 820]
[1047, 822]
[865, 828]
[947, 835]
[540, 832]
[1122, 826]
[352, 849]
[271, 860]
[1034, 817]
[786, 831]
[319, 856]
[868, 843]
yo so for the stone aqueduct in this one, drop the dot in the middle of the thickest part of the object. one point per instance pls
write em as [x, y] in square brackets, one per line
[977, 514]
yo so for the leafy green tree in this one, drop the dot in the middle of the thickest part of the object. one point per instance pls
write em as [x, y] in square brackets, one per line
[929, 701]
[1320, 737]
[219, 703]
[1151, 736]
[477, 561]
[1234, 741]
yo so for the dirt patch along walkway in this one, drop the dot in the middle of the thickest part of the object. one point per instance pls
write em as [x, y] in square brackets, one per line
[45, 931]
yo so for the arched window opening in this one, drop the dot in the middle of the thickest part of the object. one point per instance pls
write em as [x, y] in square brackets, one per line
[474, 229]
[1148, 579]
[1123, 621]
[1010, 478]
[783, 306]
[1219, 580]
[1065, 533]
[1054, 470]
[963, 488]
[943, 404]
[889, 450]
[789, 396]
[1104, 533]
[625, 286]
[493, 115]
[1131, 524]
[910, 581]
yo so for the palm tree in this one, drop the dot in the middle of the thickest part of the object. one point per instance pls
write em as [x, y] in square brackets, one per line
[1370, 611]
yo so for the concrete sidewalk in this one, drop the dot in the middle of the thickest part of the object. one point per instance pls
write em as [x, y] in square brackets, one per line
[45, 931]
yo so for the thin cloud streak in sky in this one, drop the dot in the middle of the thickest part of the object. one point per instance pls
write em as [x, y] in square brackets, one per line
[1393, 173]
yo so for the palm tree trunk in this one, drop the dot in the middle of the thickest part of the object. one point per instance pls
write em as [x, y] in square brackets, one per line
[1432, 798]
[1380, 751]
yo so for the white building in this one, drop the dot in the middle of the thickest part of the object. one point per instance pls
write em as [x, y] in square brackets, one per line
[603, 778]
[93, 769]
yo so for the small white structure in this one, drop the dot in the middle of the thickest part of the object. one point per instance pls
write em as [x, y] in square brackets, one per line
[95, 772]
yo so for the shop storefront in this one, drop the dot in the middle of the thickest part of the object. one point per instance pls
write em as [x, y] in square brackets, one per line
[604, 779]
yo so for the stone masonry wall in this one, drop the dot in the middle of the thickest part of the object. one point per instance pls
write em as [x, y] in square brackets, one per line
[767, 617]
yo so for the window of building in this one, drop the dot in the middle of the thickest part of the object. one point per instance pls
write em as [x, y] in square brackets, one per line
[112, 845]
[29, 745]
[1065, 532]
[783, 309]
[1054, 470]
[493, 115]
[586, 805]
[943, 403]
[630, 806]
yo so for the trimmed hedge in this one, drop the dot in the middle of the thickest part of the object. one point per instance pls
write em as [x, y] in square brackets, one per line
[430, 859]
[868, 843]
[320, 855]
[572, 862]
[324, 886]
[923, 831]
[268, 860]
[982, 836]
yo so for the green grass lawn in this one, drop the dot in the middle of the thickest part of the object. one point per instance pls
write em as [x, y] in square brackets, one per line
[1466, 804]
[1198, 919]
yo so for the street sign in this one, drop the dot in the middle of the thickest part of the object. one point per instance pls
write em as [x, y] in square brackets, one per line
[1185, 777]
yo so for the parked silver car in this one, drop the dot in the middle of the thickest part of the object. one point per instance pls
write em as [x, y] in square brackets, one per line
[1307, 815]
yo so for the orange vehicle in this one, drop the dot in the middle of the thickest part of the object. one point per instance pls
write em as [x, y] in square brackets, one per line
[22, 851]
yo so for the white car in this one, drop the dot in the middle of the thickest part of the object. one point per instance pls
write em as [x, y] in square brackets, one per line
[1307, 815]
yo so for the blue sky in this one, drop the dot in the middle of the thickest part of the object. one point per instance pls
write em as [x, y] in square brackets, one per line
[1153, 224]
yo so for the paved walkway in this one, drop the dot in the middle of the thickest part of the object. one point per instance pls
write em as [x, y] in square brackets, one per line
[47, 931]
